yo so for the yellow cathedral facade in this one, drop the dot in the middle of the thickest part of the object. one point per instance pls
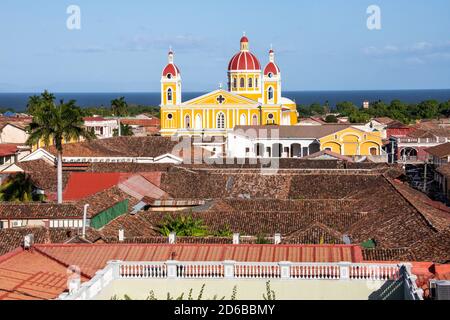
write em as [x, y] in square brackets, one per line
[254, 97]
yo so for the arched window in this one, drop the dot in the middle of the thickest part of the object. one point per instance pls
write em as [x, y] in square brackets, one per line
[220, 120]
[255, 120]
[242, 83]
[270, 94]
[169, 95]
[250, 82]
[187, 122]
[243, 121]
[235, 83]
[256, 83]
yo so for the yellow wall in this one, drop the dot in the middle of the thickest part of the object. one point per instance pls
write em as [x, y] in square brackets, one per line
[166, 87]
[41, 144]
[274, 85]
[208, 107]
[353, 142]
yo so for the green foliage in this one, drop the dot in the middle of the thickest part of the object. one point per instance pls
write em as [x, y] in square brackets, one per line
[262, 239]
[200, 295]
[19, 188]
[183, 226]
[36, 103]
[119, 107]
[55, 123]
[234, 294]
[126, 131]
[224, 232]
[270, 294]
[152, 296]
[331, 119]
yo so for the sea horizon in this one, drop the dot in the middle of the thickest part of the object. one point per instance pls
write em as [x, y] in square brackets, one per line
[17, 101]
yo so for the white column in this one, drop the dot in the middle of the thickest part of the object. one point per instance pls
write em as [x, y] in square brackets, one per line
[228, 267]
[172, 269]
[344, 270]
[285, 270]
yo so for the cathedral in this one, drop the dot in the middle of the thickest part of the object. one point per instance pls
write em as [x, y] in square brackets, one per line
[254, 97]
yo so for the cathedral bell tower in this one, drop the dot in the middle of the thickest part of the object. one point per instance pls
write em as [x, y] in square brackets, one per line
[171, 83]
[272, 81]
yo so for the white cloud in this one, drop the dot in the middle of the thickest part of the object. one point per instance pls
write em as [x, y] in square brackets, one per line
[416, 53]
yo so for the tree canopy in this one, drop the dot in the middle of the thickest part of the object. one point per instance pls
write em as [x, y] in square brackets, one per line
[396, 110]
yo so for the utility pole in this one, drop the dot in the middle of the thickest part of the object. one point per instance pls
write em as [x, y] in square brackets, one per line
[120, 127]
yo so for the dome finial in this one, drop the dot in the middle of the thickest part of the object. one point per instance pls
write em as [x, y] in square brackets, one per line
[170, 54]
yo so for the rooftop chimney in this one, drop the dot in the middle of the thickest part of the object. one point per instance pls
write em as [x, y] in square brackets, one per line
[121, 235]
[277, 238]
[28, 241]
[172, 238]
[236, 238]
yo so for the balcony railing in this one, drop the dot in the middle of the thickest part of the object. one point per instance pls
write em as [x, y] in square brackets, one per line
[288, 271]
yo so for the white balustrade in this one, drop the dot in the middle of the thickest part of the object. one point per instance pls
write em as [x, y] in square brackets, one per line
[288, 271]
[140, 270]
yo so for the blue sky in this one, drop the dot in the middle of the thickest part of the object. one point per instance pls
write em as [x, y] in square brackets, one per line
[320, 44]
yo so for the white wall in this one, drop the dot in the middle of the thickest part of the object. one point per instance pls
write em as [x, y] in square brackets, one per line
[237, 144]
[11, 134]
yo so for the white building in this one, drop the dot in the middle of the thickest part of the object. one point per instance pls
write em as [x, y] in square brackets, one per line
[103, 128]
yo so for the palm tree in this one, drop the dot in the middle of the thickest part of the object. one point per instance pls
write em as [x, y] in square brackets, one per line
[183, 226]
[19, 188]
[119, 107]
[125, 131]
[53, 124]
[35, 102]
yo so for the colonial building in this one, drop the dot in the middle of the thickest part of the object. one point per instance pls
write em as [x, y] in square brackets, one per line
[254, 97]
[302, 141]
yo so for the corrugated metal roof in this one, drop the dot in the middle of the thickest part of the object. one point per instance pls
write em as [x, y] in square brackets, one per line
[90, 258]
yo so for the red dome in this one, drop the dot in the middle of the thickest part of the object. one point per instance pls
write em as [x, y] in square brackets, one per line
[172, 69]
[271, 68]
[244, 39]
[244, 60]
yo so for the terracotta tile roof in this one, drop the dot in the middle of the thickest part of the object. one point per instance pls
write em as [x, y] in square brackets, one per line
[8, 149]
[435, 212]
[20, 122]
[384, 254]
[430, 133]
[442, 150]
[328, 153]
[43, 273]
[38, 211]
[11, 239]
[104, 200]
[119, 147]
[42, 174]
[39, 277]
[384, 120]
[154, 122]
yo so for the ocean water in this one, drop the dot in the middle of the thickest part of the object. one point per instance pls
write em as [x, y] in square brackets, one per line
[18, 101]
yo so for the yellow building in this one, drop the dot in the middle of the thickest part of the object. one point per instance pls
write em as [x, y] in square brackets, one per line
[353, 142]
[254, 97]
